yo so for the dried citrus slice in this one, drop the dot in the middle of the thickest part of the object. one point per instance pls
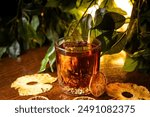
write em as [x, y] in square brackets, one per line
[127, 91]
[83, 98]
[33, 84]
[97, 84]
[38, 98]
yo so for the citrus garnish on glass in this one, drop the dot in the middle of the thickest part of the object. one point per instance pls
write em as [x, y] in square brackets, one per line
[97, 84]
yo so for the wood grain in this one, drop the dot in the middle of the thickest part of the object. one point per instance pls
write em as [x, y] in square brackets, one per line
[29, 63]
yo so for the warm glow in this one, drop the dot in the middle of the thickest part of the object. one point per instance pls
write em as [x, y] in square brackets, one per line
[120, 58]
[125, 5]
[42, 14]
[114, 59]
[119, 61]
[92, 10]
[123, 28]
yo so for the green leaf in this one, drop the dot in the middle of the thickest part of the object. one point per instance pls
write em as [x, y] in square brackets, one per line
[83, 3]
[105, 39]
[52, 60]
[35, 22]
[111, 21]
[98, 16]
[95, 33]
[53, 3]
[130, 64]
[44, 64]
[51, 34]
[104, 43]
[108, 4]
[111, 6]
[78, 3]
[118, 45]
[117, 18]
[49, 57]
[117, 10]
[137, 54]
[72, 30]
[33, 36]
[28, 34]
[107, 23]
[86, 24]
[66, 5]
[2, 51]
[14, 49]
[22, 27]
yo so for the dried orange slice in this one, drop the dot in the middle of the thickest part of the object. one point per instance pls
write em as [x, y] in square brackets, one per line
[97, 84]
[127, 91]
[38, 98]
[83, 98]
[33, 84]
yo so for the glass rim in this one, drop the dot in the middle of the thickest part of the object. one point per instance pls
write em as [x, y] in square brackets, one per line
[57, 45]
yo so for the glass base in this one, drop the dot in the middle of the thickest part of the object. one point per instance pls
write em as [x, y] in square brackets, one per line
[74, 91]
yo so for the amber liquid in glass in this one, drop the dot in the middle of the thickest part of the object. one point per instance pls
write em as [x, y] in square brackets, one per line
[76, 65]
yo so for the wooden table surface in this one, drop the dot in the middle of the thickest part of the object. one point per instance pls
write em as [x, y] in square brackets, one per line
[29, 63]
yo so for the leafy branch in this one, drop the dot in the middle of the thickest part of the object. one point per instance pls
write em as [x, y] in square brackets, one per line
[40, 22]
[138, 38]
[114, 41]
